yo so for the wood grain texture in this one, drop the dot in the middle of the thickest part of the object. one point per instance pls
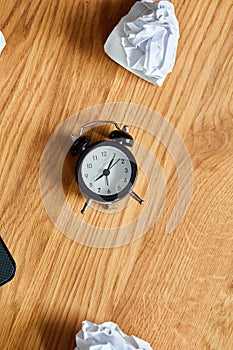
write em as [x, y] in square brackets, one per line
[176, 291]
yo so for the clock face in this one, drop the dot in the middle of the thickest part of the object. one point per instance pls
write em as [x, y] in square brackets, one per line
[106, 171]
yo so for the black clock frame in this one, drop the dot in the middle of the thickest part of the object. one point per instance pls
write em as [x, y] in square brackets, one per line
[106, 198]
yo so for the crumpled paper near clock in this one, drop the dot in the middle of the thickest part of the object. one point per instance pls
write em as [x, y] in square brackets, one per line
[107, 336]
[2, 42]
[145, 40]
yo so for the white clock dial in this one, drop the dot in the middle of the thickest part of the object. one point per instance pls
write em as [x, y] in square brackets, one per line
[106, 170]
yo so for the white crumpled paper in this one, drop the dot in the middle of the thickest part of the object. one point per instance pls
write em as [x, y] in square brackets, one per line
[107, 336]
[2, 42]
[145, 40]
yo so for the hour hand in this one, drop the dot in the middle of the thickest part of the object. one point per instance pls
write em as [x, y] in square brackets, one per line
[106, 172]
[99, 177]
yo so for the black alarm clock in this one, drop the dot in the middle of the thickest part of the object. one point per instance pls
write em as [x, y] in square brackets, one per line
[106, 171]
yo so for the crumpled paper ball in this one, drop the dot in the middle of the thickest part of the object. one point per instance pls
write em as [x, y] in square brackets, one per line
[107, 336]
[2, 42]
[145, 40]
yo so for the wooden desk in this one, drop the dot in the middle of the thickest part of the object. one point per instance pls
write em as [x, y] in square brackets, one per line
[176, 291]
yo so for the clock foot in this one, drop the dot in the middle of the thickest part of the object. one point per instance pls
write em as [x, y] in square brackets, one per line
[136, 197]
[86, 205]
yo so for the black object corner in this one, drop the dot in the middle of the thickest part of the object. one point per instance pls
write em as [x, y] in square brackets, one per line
[7, 264]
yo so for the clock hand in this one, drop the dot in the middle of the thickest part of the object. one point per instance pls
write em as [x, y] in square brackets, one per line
[99, 177]
[106, 172]
[114, 163]
[109, 166]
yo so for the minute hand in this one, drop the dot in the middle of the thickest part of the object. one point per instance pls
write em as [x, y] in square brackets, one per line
[99, 177]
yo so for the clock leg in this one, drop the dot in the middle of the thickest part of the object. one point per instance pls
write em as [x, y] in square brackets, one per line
[136, 197]
[86, 205]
